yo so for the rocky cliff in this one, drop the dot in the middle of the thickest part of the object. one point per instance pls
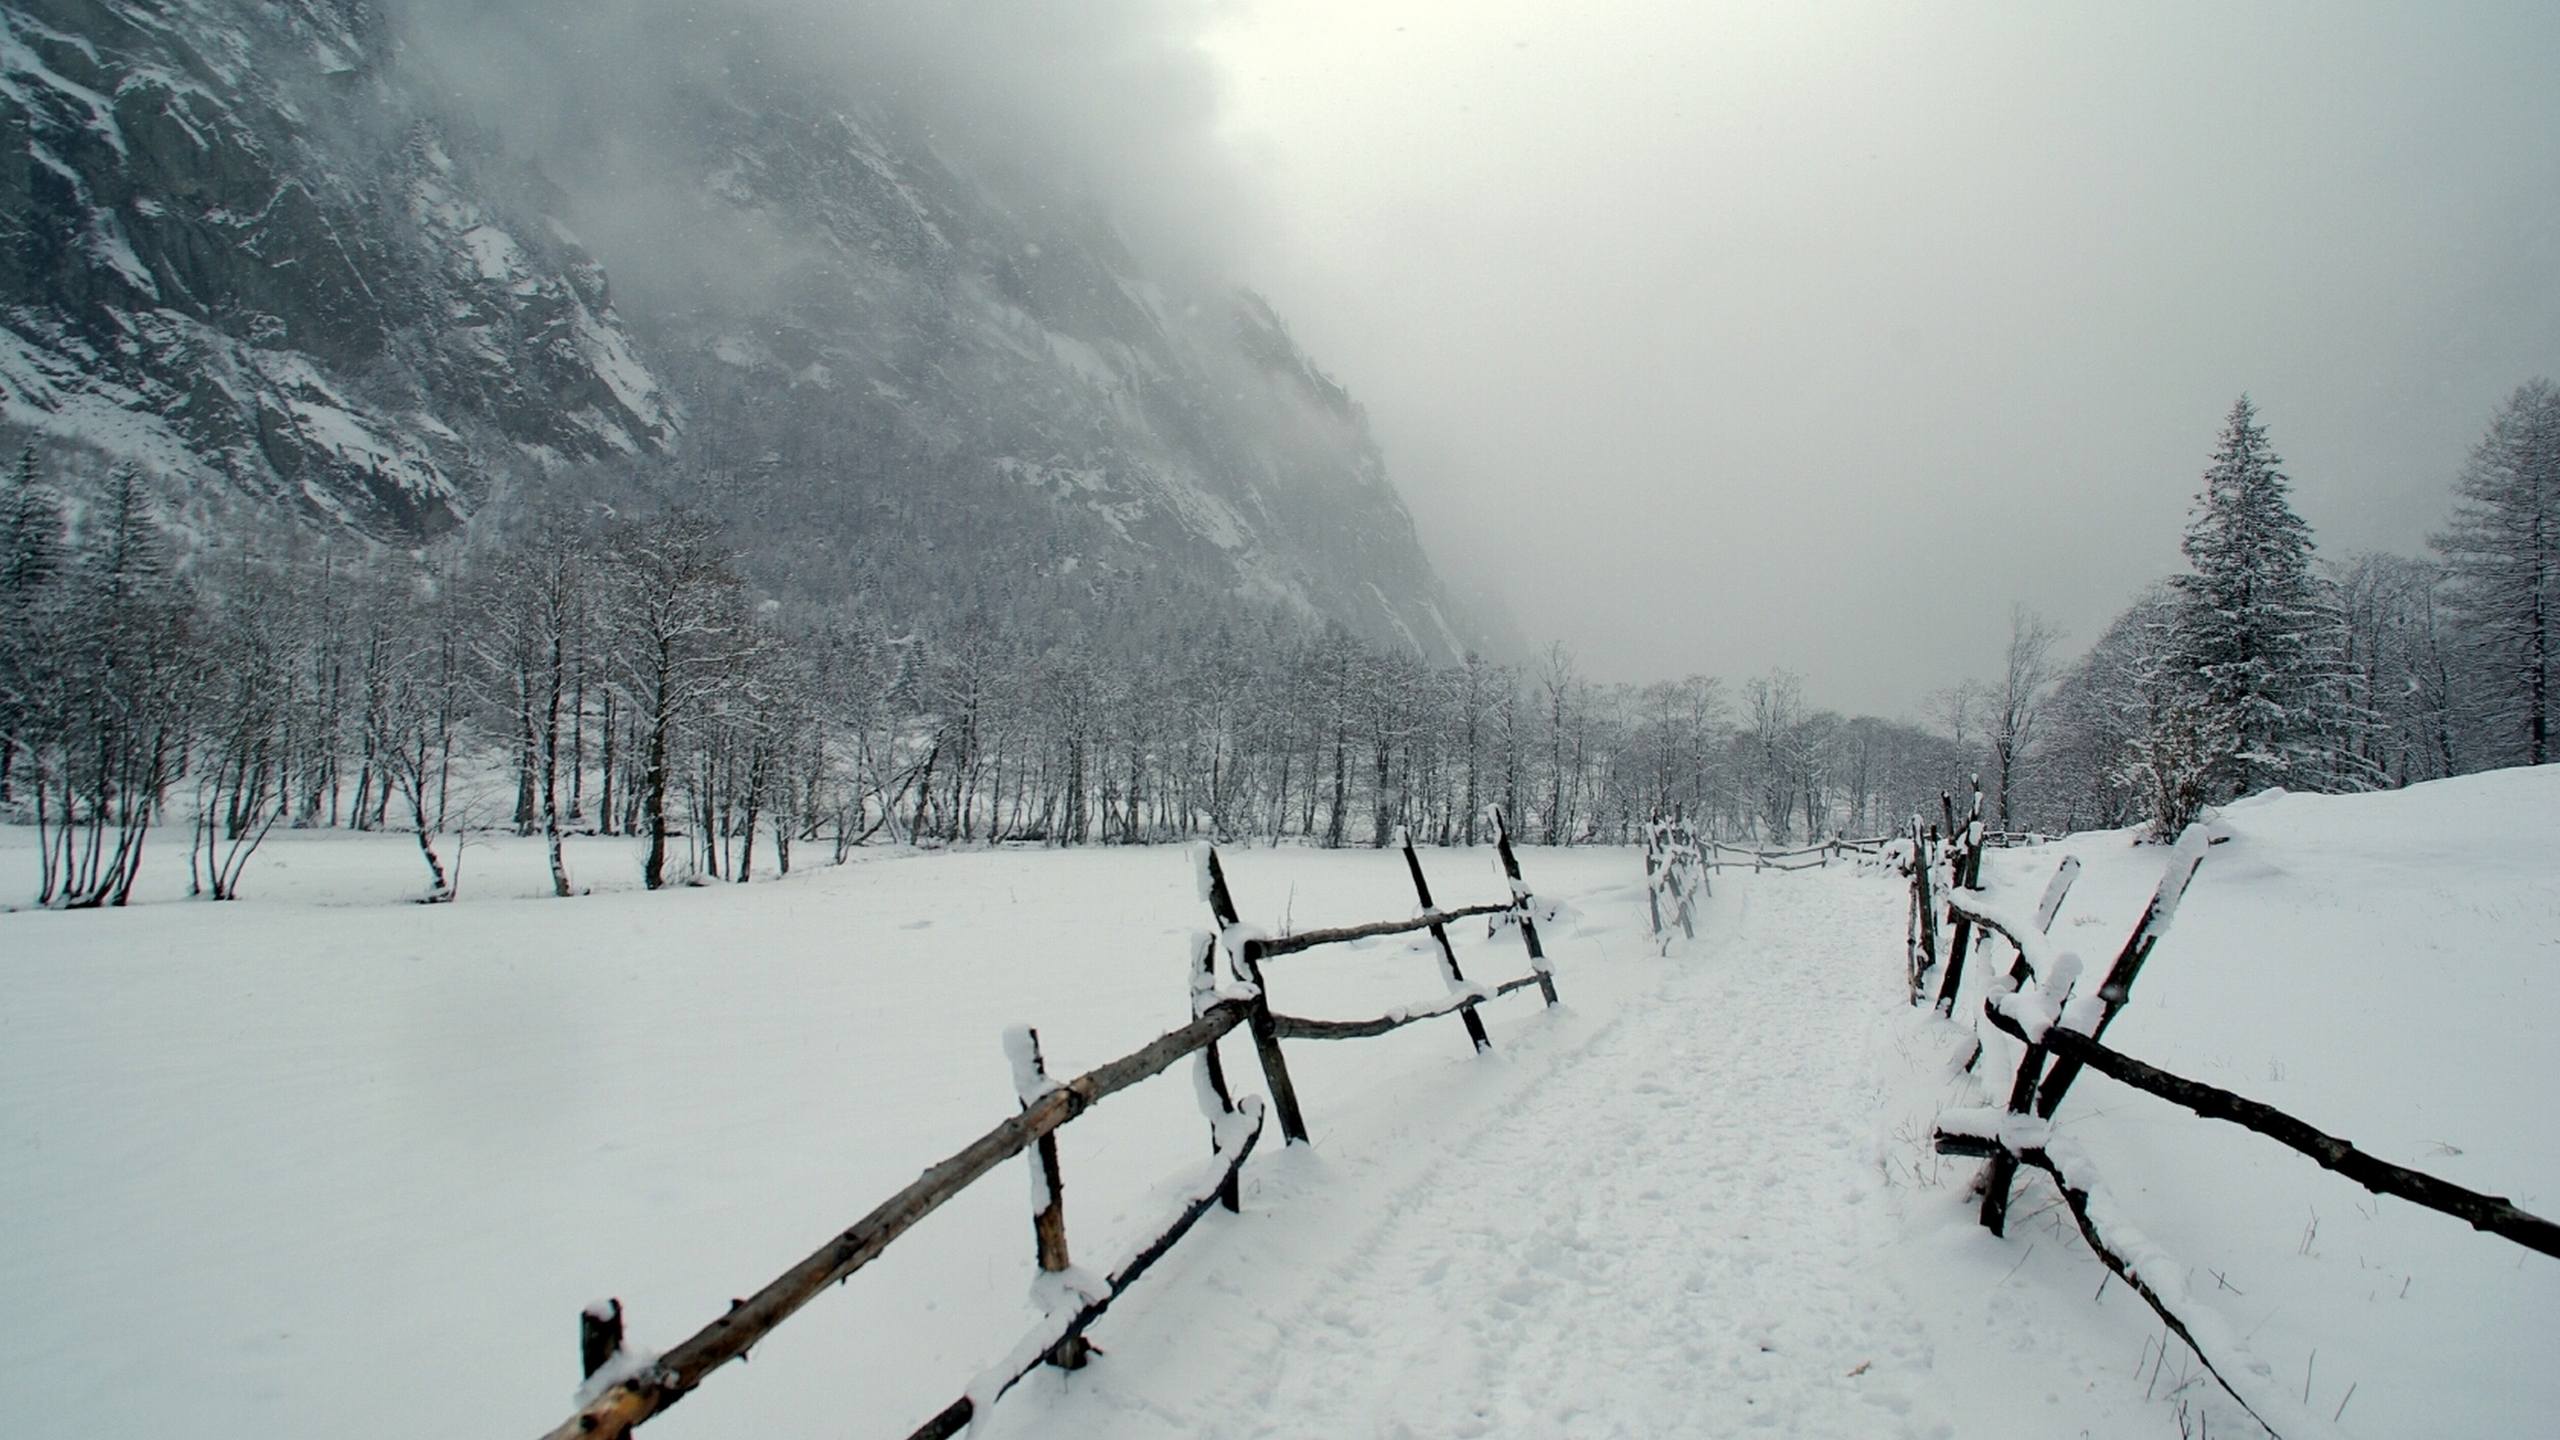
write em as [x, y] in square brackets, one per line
[280, 252]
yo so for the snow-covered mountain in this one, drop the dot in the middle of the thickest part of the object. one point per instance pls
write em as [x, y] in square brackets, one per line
[281, 252]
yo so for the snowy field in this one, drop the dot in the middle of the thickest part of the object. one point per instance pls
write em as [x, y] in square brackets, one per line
[322, 1158]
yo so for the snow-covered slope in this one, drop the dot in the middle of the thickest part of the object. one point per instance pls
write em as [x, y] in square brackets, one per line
[239, 253]
[2386, 967]
[307, 257]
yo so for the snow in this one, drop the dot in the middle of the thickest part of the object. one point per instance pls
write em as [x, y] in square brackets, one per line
[2379, 966]
[624, 1364]
[1031, 1081]
[283, 1154]
[17, 58]
[2038, 1009]
[2013, 923]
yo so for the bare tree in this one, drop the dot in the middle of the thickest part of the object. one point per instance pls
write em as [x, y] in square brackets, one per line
[1557, 682]
[678, 610]
[2017, 702]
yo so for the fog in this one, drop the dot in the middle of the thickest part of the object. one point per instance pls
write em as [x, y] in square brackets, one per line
[1725, 336]
[1722, 337]
[1113, 102]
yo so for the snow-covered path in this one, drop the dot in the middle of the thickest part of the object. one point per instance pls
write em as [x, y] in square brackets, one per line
[1664, 1222]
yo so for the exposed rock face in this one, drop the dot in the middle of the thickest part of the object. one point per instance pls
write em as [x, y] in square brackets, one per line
[252, 243]
[234, 248]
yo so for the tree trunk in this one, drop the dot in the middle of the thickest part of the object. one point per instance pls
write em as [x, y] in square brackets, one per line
[653, 771]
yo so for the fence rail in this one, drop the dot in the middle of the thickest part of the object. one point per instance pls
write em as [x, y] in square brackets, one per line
[2059, 1033]
[625, 1390]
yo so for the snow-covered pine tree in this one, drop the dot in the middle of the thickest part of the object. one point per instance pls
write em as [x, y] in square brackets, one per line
[2503, 548]
[2253, 631]
[31, 561]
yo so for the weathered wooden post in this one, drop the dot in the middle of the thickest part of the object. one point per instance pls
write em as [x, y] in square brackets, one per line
[1964, 874]
[2039, 1087]
[1266, 1035]
[1048, 1190]
[2050, 904]
[2046, 908]
[1520, 905]
[2001, 1177]
[1448, 957]
[2118, 984]
[1653, 872]
[599, 1335]
[1204, 993]
[1682, 872]
[1924, 955]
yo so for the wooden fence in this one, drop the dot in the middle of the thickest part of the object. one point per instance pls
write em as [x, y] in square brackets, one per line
[1721, 856]
[1675, 875]
[625, 1388]
[2038, 1003]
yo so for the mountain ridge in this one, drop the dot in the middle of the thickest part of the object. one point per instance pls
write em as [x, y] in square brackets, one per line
[273, 252]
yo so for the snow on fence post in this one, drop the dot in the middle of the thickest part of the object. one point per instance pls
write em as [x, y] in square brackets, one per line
[1216, 1100]
[1653, 872]
[2052, 993]
[2054, 891]
[1048, 1190]
[1924, 911]
[1449, 971]
[599, 1335]
[2020, 972]
[1520, 905]
[2113, 991]
[1266, 1034]
[1965, 873]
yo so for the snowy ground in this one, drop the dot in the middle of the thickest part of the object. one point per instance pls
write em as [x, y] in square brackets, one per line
[321, 1157]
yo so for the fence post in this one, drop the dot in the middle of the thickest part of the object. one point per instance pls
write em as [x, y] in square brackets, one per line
[1924, 953]
[2002, 1175]
[1049, 1219]
[2118, 984]
[1964, 874]
[1448, 956]
[1204, 993]
[1266, 1035]
[1686, 872]
[1653, 872]
[599, 1335]
[1520, 906]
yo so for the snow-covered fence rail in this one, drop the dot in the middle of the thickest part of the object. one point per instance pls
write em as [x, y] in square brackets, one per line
[1721, 856]
[2494, 1214]
[625, 1388]
[1246, 949]
[628, 1388]
[2058, 1028]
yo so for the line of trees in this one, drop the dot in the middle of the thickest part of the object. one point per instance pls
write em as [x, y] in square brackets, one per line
[624, 678]
[2260, 665]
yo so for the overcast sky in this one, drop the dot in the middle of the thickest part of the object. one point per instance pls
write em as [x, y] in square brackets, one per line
[1726, 336]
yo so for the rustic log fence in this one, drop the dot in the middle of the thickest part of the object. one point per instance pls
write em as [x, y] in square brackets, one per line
[2059, 1030]
[626, 1387]
[1721, 856]
[1675, 875]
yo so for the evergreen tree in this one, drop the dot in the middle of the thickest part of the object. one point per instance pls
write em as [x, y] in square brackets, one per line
[2503, 548]
[31, 547]
[31, 533]
[2254, 634]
